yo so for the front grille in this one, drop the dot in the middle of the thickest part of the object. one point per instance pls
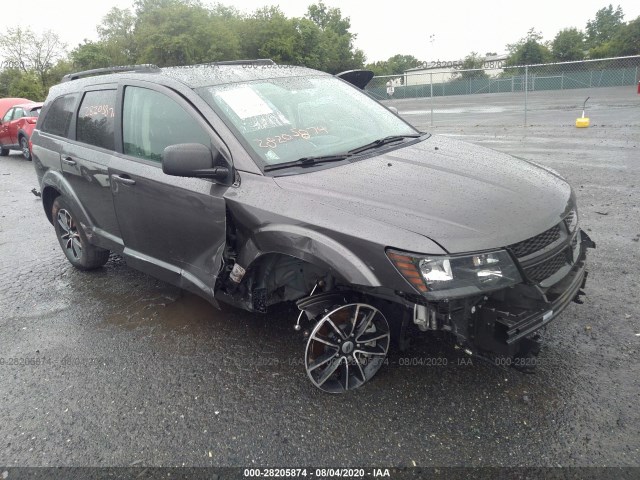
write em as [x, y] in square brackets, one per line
[545, 269]
[533, 244]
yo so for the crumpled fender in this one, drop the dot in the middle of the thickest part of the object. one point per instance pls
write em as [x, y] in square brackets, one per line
[310, 246]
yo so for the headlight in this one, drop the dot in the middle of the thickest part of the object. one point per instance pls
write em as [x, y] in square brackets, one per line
[571, 220]
[441, 277]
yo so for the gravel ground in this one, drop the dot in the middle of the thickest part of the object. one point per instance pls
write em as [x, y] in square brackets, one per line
[116, 368]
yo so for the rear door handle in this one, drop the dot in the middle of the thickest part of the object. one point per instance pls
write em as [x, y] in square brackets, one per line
[124, 179]
[68, 160]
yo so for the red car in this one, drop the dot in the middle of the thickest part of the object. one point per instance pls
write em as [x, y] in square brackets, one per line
[16, 125]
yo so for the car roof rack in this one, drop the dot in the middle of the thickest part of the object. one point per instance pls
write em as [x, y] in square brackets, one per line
[143, 68]
[258, 61]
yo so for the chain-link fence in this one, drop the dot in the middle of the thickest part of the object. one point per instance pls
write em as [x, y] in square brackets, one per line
[551, 93]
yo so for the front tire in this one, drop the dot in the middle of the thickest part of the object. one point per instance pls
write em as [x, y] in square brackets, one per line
[73, 241]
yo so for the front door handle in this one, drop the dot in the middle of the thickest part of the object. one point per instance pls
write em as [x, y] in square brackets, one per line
[124, 179]
[68, 160]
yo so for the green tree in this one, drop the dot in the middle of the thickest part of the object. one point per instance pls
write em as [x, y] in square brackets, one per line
[605, 26]
[568, 45]
[310, 36]
[528, 50]
[33, 53]
[268, 33]
[602, 51]
[171, 32]
[117, 36]
[27, 86]
[471, 64]
[90, 55]
[338, 52]
[395, 65]
[18, 83]
[225, 33]
[60, 69]
[8, 77]
[224, 40]
[329, 18]
[627, 40]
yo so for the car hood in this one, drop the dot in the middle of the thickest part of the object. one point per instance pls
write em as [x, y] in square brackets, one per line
[462, 196]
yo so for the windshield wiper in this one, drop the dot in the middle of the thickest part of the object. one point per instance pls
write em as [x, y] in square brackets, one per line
[308, 161]
[382, 141]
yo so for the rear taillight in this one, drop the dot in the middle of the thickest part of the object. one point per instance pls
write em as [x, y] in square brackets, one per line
[32, 120]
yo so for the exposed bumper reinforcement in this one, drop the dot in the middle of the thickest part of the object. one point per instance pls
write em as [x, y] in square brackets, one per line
[500, 329]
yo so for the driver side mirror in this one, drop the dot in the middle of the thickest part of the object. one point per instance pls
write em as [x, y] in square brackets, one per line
[194, 160]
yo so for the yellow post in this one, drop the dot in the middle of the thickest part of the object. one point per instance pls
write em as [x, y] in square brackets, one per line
[583, 122]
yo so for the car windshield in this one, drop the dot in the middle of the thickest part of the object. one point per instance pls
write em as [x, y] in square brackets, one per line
[287, 119]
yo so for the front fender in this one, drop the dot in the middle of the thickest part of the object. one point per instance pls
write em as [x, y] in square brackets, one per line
[310, 246]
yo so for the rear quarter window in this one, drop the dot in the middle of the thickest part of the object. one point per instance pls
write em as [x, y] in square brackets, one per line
[57, 118]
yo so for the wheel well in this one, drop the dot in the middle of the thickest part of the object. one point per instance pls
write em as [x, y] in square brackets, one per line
[284, 277]
[49, 194]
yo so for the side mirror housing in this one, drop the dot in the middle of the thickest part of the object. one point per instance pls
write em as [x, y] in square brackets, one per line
[394, 110]
[194, 160]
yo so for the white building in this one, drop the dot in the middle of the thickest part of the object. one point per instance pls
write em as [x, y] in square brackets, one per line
[444, 71]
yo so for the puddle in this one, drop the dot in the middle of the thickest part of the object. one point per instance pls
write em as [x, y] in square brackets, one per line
[170, 311]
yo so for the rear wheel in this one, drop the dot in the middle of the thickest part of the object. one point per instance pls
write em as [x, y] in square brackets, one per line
[80, 253]
[347, 347]
[24, 146]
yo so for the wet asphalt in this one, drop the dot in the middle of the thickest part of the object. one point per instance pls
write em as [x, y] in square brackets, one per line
[115, 368]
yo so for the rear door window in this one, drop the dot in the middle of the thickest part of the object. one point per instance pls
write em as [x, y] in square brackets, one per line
[96, 119]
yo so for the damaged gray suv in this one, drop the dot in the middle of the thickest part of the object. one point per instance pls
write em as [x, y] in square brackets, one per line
[254, 184]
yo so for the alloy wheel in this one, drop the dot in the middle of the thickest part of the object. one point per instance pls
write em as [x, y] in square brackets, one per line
[69, 235]
[24, 146]
[347, 347]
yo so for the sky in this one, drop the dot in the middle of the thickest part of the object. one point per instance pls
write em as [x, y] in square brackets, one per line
[430, 31]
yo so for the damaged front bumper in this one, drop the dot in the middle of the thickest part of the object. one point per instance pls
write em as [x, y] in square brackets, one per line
[504, 323]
